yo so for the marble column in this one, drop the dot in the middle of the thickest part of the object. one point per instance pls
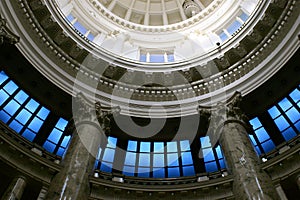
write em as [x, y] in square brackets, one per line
[230, 127]
[280, 192]
[88, 135]
[15, 189]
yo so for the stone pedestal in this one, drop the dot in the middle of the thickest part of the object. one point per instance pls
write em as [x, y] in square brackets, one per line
[72, 181]
[230, 126]
[15, 189]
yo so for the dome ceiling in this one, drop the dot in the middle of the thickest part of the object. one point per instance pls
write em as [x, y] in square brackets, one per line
[151, 12]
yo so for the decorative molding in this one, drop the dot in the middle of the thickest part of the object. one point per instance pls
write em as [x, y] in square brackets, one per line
[6, 35]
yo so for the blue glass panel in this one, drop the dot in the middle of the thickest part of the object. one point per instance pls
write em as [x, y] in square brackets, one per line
[144, 159]
[130, 158]
[143, 172]
[80, 27]
[293, 114]
[3, 77]
[281, 123]
[285, 104]
[112, 142]
[106, 167]
[157, 58]
[49, 146]
[16, 126]
[255, 123]
[65, 141]
[173, 172]
[253, 140]
[91, 37]
[12, 107]
[188, 171]
[35, 124]
[234, 27]
[289, 134]
[297, 125]
[32, 105]
[55, 135]
[158, 147]
[258, 150]
[43, 113]
[109, 155]
[171, 58]
[4, 116]
[159, 173]
[3, 96]
[29, 135]
[222, 164]
[185, 145]
[21, 97]
[132, 145]
[295, 95]
[70, 17]
[274, 112]
[23, 116]
[268, 146]
[99, 153]
[10, 87]
[61, 124]
[244, 16]
[158, 160]
[186, 158]
[205, 142]
[128, 171]
[172, 146]
[219, 151]
[223, 36]
[211, 167]
[145, 147]
[262, 134]
[172, 159]
[60, 151]
[208, 154]
[143, 58]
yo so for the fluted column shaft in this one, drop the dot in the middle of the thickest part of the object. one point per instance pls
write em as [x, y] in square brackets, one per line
[15, 189]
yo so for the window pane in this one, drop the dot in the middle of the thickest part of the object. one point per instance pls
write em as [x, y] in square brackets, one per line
[262, 135]
[274, 112]
[159, 172]
[65, 141]
[173, 172]
[144, 159]
[234, 27]
[61, 124]
[289, 134]
[23, 116]
[158, 160]
[293, 114]
[130, 158]
[285, 104]
[21, 97]
[4, 116]
[106, 167]
[112, 142]
[222, 164]
[55, 135]
[80, 27]
[132, 145]
[3, 96]
[49, 146]
[171, 58]
[205, 142]
[252, 140]
[157, 58]
[70, 17]
[128, 171]
[185, 145]
[35, 124]
[10, 87]
[244, 16]
[145, 147]
[60, 151]
[32, 105]
[109, 155]
[3, 77]
[91, 37]
[295, 95]
[186, 158]
[159, 147]
[208, 155]
[281, 123]
[255, 123]
[29, 135]
[143, 58]
[43, 113]
[211, 167]
[172, 159]
[172, 146]
[219, 152]
[16, 126]
[268, 146]
[223, 36]
[188, 171]
[143, 172]
[12, 107]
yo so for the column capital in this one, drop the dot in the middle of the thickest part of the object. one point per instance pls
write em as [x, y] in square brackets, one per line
[6, 35]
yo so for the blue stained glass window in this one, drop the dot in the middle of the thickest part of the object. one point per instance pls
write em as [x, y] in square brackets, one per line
[65, 141]
[35, 124]
[262, 135]
[23, 116]
[274, 112]
[293, 114]
[255, 123]
[29, 135]
[12, 107]
[234, 27]
[32, 105]
[49, 146]
[109, 155]
[21, 97]
[3, 96]
[211, 167]
[289, 134]
[3, 77]
[130, 158]
[4, 116]
[268, 146]
[43, 113]
[158, 160]
[208, 155]
[173, 172]
[132, 146]
[159, 147]
[158, 172]
[61, 124]
[188, 170]
[186, 158]
[172, 159]
[295, 95]
[172, 147]
[55, 135]
[157, 58]
[10, 87]
[16, 126]
[144, 159]
[145, 147]
[285, 104]
[185, 145]
[281, 123]
[128, 170]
